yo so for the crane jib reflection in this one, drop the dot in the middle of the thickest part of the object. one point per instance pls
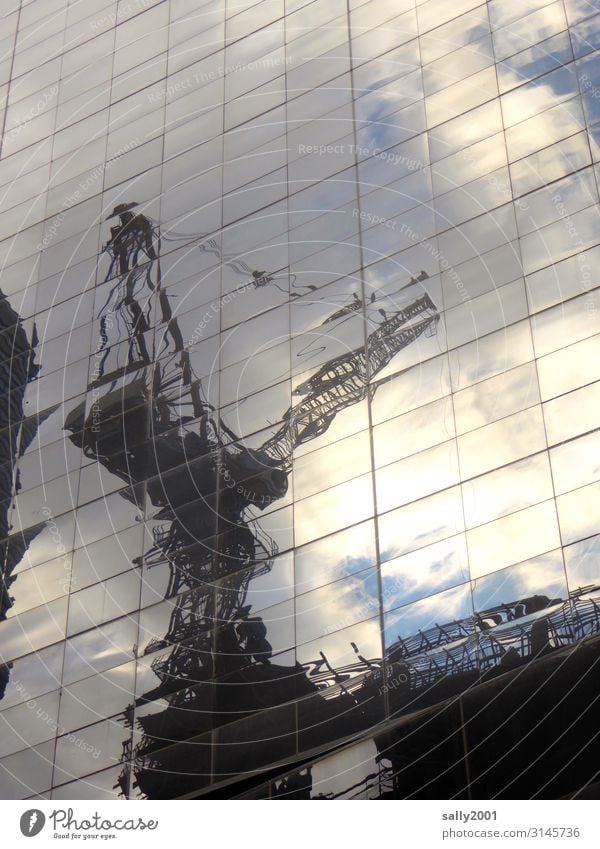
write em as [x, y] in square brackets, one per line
[201, 477]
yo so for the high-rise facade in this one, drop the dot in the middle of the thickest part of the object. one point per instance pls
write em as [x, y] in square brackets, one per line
[300, 336]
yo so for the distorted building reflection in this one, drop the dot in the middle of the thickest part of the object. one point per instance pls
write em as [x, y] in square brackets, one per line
[151, 425]
[18, 367]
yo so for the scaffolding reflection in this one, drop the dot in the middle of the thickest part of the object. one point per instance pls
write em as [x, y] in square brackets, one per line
[151, 424]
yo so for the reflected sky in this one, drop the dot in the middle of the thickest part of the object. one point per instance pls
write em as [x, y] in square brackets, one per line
[425, 572]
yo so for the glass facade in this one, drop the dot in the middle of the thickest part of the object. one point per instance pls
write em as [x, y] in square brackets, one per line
[299, 428]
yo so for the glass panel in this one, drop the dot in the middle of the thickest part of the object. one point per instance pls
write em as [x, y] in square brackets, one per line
[265, 587]
[541, 94]
[486, 313]
[426, 615]
[582, 564]
[457, 65]
[100, 649]
[425, 572]
[395, 275]
[376, 41]
[337, 606]
[413, 432]
[547, 204]
[388, 167]
[383, 208]
[334, 557]
[33, 630]
[103, 602]
[263, 67]
[563, 280]
[103, 559]
[96, 698]
[393, 130]
[520, 590]
[566, 323]
[437, 12]
[487, 232]
[252, 19]
[256, 195]
[256, 334]
[529, 29]
[469, 163]
[40, 585]
[329, 466]
[385, 100]
[103, 517]
[340, 651]
[331, 194]
[335, 508]
[421, 523]
[465, 130]
[549, 164]
[503, 13]
[263, 369]
[257, 639]
[368, 15]
[576, 463]
[513, 538]
[310, 16]
[28, 724]
[492, 355]
[507, 490]
[33, 675]
[90, 749]
[411, 389]
[496, 398]
[28, 772]
[569, 368]
[462, 96]
[558, 414]
[481, 274]
[578, 10]
[502, 442]
[482, 195]
[344, 775]
[535, 61]
[100, 785]
[456, 33]
[576, 519]
[315, 163]
[247, 416]
[384, 69]
[419, 475]
[550, 126]
[258, 101]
